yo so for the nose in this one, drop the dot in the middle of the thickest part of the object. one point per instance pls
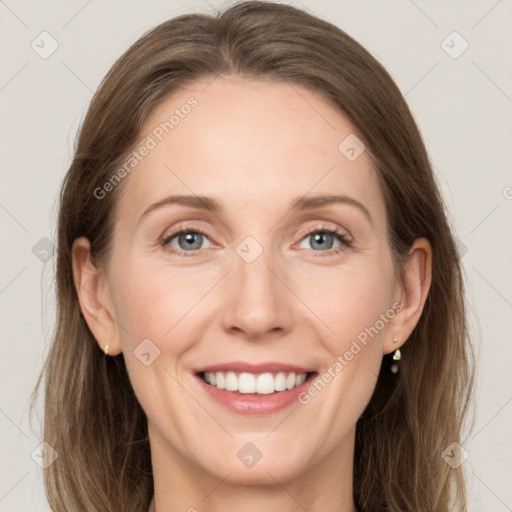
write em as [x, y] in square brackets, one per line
[258, 304]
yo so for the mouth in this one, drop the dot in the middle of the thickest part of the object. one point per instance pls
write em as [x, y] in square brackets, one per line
[255, 388]
[245, 383]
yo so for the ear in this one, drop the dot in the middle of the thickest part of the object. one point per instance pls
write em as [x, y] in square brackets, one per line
[94, 296]
[412, 291]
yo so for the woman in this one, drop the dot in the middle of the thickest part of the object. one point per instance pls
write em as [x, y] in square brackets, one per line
[260, 303]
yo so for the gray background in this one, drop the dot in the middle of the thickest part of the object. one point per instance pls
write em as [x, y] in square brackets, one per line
[463, 107]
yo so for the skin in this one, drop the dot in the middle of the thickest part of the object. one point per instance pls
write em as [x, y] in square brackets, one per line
[254, 146]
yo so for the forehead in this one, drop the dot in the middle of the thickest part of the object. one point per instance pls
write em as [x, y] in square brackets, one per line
[248, 143]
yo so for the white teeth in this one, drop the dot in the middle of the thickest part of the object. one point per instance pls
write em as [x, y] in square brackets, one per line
[263, 383]
[221, 381]
[246, 383]
[231, 381]
[280, 381]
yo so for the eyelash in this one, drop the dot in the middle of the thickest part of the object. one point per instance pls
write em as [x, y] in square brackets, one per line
[190, 228]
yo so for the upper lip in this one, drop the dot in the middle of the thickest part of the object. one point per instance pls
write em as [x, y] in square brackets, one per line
[240, 366]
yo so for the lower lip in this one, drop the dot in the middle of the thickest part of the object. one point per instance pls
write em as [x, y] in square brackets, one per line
[252, 403]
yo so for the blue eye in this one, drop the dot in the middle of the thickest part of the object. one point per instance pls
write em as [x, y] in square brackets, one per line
[191, 239]
[187, 240]
[324, 238]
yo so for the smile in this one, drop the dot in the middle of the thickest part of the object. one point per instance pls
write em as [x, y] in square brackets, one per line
[261, 384]
[248, 388]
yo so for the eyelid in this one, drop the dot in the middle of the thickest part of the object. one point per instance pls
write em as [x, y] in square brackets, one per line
[185, 226]
[325, 225]
[345, 239]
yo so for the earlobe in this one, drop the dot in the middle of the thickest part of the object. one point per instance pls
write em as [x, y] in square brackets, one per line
[414, 286]
[94, 297]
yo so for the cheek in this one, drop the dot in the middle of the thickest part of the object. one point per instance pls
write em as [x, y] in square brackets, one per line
[158, 305]
[350, 300]
[162, 304]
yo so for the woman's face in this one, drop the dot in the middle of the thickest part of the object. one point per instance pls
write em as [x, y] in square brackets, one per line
[258, 287]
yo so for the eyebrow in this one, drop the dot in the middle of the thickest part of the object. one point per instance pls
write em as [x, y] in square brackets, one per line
[300, 203]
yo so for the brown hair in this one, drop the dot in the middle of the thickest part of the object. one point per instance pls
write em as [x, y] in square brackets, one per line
[92, 417]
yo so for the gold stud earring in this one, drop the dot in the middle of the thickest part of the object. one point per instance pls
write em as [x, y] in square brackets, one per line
[106, 350]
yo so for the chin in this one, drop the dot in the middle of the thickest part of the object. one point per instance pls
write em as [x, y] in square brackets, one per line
[256, 464]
